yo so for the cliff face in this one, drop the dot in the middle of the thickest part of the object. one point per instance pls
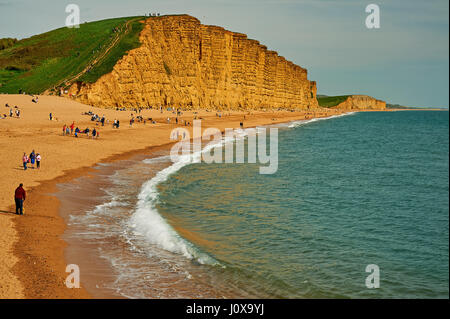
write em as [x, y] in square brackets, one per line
[361, 102]
[184, 63]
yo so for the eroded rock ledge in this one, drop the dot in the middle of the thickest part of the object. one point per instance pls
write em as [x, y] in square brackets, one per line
[361, 102]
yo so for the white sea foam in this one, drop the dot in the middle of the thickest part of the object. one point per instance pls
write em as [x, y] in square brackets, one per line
[303, 122]
[146, 220]
[156, 159]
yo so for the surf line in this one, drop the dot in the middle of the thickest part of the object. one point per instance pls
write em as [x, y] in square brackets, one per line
[212, 151]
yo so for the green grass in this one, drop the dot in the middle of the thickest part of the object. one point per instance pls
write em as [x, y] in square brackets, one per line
[36, 64]
[129, 42]
[330, 101]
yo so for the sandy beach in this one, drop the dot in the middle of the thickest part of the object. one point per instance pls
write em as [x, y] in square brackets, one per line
[31, 249]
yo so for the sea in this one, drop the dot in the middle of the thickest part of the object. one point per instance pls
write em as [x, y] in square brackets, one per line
[357, 208]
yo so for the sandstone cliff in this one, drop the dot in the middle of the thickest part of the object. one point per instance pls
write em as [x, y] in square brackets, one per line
[184, 63]
[361, 102]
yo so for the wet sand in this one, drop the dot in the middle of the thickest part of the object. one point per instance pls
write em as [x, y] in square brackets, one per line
[31, 248]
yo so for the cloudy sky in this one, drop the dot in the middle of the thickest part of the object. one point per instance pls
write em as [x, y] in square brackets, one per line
[405, 61]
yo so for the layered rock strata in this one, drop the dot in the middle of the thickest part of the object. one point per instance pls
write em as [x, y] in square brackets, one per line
[361, 102]
[182, 63]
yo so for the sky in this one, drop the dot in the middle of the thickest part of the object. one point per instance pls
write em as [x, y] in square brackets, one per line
[405, 61]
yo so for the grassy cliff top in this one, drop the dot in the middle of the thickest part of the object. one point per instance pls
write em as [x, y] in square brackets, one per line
[44, 61]
[330, 101]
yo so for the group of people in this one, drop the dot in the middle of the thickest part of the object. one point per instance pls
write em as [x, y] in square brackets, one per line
[68, 130]
[31, 159]
[16, 112]
[71, 130]
[95, 133]
[138, 118]
[96, 117]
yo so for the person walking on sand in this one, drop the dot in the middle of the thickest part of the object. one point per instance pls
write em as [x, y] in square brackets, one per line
[64, 129]
[32, 158]
[50, 116]
[71, 127]
[25, 161]
[38, 161]
[19, 198]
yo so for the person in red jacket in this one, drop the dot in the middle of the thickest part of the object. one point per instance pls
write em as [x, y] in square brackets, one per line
[19, 197]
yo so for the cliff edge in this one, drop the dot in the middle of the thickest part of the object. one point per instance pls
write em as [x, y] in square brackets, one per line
[351, 102]
[182, 63]
[361, 102]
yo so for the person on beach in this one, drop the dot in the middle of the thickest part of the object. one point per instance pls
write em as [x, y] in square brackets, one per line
[25, 161]
[19, 198]
[71, 127]
[38, 161]
[67, 130]
[64, 129]
[94, 133]
[77, 130]
[32, 158]
[50, 116]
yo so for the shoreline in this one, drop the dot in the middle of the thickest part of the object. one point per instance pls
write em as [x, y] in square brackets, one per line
[39, 279]
[44, 282]
[33, 244]
[43, 263]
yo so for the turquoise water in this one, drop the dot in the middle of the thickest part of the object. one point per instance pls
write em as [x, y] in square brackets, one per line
[367, 188]
[360, 189]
